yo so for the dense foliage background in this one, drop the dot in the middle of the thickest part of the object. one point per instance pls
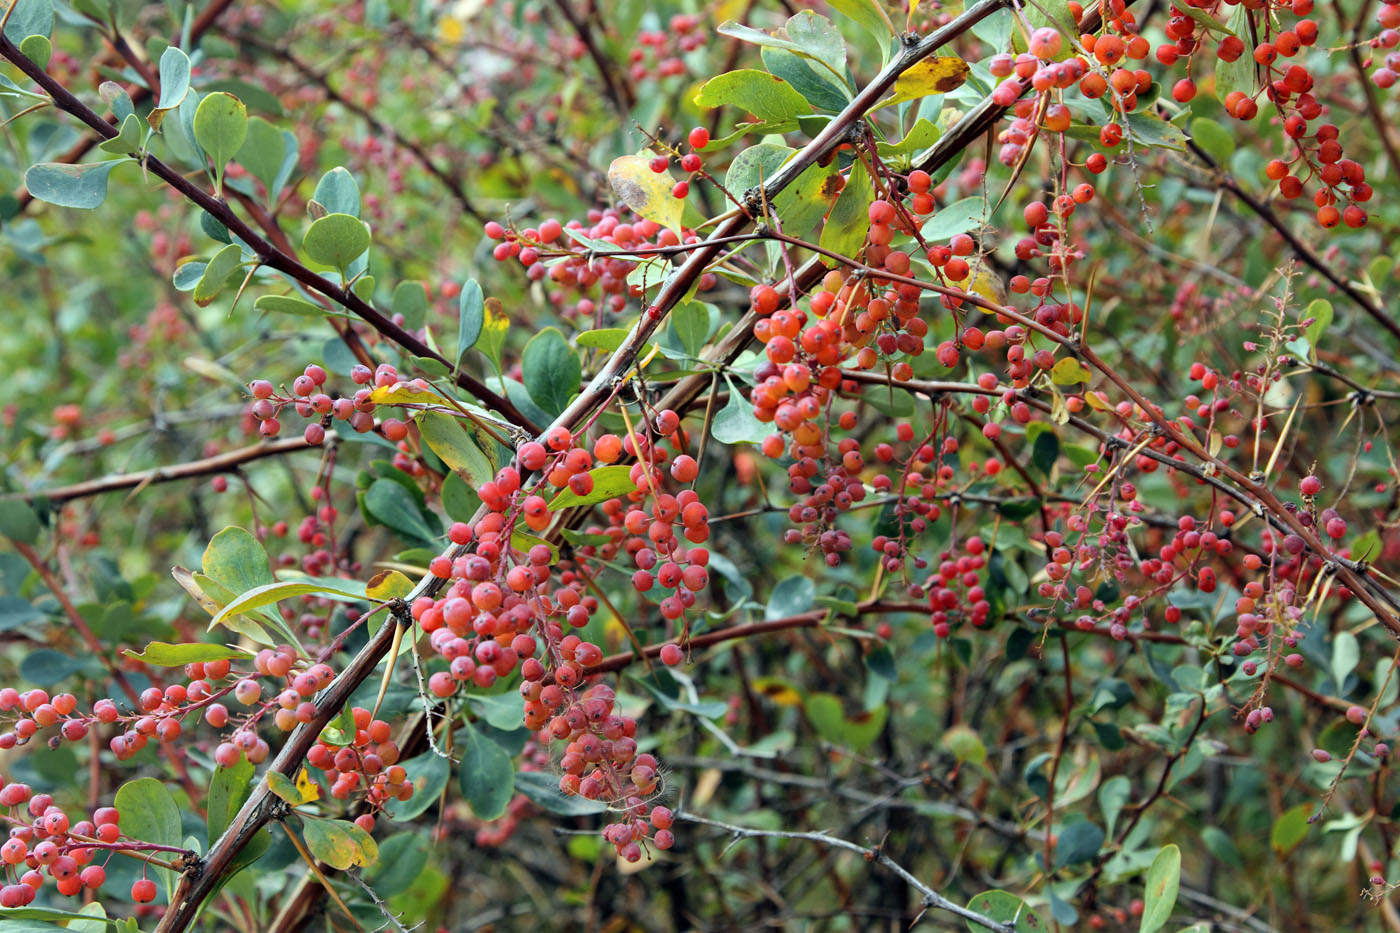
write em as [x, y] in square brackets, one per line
[1091, 606]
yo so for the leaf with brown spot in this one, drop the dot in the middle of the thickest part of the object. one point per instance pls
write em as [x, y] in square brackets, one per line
[646, 192]
[930, 76]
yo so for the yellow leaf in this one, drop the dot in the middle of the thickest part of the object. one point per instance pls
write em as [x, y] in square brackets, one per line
[646, 192]
[1098, 401]
[450, 30]
[308, 788]
[406, 393]
[930, 76]
[1069, 371]
[388, 584]
[778, 691]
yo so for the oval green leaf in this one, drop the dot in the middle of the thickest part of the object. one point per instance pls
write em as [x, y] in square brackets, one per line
[336, 240]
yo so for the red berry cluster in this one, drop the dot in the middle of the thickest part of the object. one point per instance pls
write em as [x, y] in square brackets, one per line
[43, 846]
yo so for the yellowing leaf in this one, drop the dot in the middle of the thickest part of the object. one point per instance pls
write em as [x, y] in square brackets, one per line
[388, 584]
[930, 76]
[1069, 371]
[450, 30]
[645, 191]
[309, 789]
[1097, 400]
[778, 691]
[406, 393]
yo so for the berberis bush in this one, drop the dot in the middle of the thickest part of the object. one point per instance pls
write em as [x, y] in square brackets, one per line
[626, 465]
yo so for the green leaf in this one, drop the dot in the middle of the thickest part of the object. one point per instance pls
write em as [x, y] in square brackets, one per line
[163, 654]
[228, 789]
[502, 711]
[80, 186]
[1346, 654]
[766, 96]
[339, 843]
[450, 440]
[958, 217]
[755, 165]
[550, 370]
[45, 667]
[1152, 131]
[459, 500]
[471, 317]
[429, 773]
[18, 521]
[128, 140]
[606, 338]
[117, 99]
[392, 505]
[149, 813]
[285, 788]
[736, 423]
[216, 274]
[1069, 371]
[236, 560]
[868, 15]
[29, 18]
[609, 482]
[543, 790]
[1163, 880]
[965, 744]
[828, 718]
[1290, 829]
[289, 304]
[1320, 311]
[262, 153]
[790, 597]
[1114, 795]
[12, 919]
[336, 240]
[174, 84]
[1004, 907]
[1238, 75]
[921, 135]
[816, 84]
[1214, 139]
[338, 192]
[220, 127]
[819, 38]
[1078, 842]
[16, 612]
[849, 221]
[37, 49]
[486, 775]
[401, 859]
[1045, 451]
[1219, 844]
[493, 337]
[690, 323]
[270, 593]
